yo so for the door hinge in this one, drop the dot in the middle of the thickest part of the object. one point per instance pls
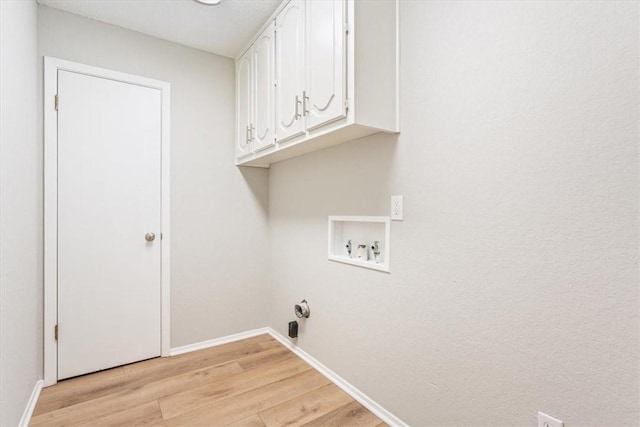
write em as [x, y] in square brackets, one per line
[56, 102]
[346, 28]
[55, 332]
[346, 104]
[160, 236]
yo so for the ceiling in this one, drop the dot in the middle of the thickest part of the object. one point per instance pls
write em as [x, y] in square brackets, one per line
[224, 29]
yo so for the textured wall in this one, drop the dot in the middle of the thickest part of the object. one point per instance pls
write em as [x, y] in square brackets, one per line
[218, 212]
[514, 284]
[20, 210]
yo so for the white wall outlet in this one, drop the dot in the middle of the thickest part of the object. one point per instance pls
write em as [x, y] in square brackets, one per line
[545, 420]
[397, 209]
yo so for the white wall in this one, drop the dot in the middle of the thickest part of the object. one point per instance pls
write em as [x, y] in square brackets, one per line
[218, 212]
[514, 283]
[20, 211]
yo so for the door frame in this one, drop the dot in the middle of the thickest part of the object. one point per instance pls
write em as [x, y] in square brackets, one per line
[51, 68]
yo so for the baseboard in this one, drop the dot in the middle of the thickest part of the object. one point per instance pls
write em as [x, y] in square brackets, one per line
[31, 404]
[218, 341]
[347, 387]
[352, 391]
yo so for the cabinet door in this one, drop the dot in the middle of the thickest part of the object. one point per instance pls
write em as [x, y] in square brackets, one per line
[262, 132]
[244, 89]
[325, 62]
[289, 70]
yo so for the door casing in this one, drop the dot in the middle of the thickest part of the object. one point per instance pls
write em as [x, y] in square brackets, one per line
[51, 67]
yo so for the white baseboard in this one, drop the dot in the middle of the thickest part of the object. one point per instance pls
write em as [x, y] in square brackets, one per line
[352, 391]
[347, 387]
[218, 341]
[31, 404]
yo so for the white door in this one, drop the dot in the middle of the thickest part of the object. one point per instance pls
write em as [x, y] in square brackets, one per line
[109, 188]
[244, 87]
[326, 67]
[263, 91]
[290, 71]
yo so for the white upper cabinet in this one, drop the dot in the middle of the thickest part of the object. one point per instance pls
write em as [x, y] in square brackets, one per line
[325, 89]
[310, 66]
[244, 105]
[255, 96]
[336, 78]
[290, 70]
[263, 124]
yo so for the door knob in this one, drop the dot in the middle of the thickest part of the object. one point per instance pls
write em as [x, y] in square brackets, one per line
[149, 237]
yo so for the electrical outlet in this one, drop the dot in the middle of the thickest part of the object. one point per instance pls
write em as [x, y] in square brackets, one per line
[545, 420]
[397, 210]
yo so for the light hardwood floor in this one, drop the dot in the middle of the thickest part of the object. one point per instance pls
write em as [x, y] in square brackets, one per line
[253, 382]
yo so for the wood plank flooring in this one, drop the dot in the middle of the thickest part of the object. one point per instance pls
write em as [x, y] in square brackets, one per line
[255, 382]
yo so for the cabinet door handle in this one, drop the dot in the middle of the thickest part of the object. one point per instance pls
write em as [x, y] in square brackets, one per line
[304, 103]
[297, 116]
